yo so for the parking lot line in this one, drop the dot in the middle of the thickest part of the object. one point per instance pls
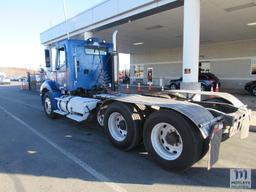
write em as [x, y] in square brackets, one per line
[76, 160]
[22, 103]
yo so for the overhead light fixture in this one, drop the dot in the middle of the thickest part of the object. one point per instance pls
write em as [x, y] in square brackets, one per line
[154, 27]
[252, 24]
[138, 43]
[240, 7]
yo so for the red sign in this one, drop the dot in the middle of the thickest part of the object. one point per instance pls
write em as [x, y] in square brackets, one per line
[150, 75]
[187, 71]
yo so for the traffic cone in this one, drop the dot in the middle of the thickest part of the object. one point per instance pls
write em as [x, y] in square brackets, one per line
[212, 89]
[138, 88]
[127, 88]
[211, 96]
[217, 88]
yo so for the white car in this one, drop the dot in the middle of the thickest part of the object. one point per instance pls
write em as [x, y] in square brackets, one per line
[4, 80]
[7, 81]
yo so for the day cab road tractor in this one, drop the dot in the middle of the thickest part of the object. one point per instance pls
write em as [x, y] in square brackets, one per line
[176, 129]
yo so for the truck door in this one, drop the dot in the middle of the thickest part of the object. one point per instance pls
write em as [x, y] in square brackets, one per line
[61, 67]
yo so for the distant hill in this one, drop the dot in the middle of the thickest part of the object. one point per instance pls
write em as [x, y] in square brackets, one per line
[15, 72]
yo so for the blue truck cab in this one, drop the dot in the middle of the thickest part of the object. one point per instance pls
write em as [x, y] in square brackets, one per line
[78, 65]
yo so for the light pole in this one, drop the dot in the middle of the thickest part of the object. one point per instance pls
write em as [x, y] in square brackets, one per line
[66, 16]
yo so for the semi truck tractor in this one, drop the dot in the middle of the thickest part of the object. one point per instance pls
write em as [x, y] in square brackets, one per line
[176, 129]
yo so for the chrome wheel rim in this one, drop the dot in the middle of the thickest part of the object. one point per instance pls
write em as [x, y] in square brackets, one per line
[100, 118]
[48, 105]
[173, 87]
[117, 126]
[254, 91]
[166, 141]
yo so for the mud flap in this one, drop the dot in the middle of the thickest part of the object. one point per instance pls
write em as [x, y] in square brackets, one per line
[214, 145]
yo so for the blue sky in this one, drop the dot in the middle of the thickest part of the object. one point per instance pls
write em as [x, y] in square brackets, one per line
[21, 24]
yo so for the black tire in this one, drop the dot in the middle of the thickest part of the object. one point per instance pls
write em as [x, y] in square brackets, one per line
[206, 147]
[173, 86]
[192, 141]
[49, 113]
[132, 124]
[253, 92]
[203, 87]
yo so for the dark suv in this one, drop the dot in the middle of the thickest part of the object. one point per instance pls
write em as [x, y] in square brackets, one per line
[251, 87]
[207, 81]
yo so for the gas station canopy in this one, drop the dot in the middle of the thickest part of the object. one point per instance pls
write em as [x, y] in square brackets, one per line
[158, 24]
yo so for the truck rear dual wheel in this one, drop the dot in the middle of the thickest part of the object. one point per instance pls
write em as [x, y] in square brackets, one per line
[171, 140]
[123, 125]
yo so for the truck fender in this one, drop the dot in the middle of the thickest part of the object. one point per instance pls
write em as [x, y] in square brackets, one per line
[52, 89]
[198, 115]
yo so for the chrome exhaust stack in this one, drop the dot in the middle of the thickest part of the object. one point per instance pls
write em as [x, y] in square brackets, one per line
[115, 57]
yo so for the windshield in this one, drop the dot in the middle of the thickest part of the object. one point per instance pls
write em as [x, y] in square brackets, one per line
[93, 50]
[211, 76]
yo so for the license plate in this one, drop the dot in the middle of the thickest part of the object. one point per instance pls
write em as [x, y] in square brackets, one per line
[214, 145]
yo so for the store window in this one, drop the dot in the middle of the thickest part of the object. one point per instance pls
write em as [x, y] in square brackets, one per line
[139, 71]
[253, 67]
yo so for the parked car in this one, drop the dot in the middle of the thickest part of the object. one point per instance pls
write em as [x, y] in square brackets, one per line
[126, 80]
[207, 81]
[13, 79]
[4, 80]
[251, 87]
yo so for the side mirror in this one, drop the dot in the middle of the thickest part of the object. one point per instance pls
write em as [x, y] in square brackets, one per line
[47, 58]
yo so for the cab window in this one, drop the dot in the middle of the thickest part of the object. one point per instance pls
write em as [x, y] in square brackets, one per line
[92, 50]
[53, 58]
[61, 63]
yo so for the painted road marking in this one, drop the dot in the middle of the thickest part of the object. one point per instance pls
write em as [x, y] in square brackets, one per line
[76, 160]
[22, 103]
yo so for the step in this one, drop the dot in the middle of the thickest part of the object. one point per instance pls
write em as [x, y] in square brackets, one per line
[60, 112]
[78, 118]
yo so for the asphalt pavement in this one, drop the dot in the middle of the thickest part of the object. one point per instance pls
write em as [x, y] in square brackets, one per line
[41, 154]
